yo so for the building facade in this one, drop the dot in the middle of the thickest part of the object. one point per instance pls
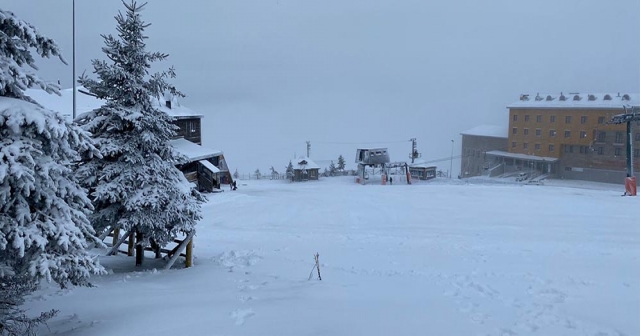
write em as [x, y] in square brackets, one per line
[561, 135]
[476, 142]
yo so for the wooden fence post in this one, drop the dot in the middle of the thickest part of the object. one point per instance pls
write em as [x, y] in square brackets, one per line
[139, 248]
[116, 236]
[189, 259]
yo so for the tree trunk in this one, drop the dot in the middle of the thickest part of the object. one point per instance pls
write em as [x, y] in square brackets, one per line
[130, 251]
[139, 248]
[156, 248]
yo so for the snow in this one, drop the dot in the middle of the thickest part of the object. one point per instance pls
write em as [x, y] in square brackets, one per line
[64, 102]
[439, 258]
[522, 156]
[297, 163]
[210, 166]
[488, 130]
[86, 103]
[192, 150]
[599, 102]
[422, 164]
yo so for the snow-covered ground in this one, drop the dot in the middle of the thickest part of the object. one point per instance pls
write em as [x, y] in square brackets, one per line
[436, 258]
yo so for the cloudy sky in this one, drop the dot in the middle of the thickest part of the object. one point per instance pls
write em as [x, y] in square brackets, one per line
[272, 74]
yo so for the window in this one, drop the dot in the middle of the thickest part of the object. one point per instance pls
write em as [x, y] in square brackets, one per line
[582, 150]
[602, 137]
[567, 119]
[567, 134]
[525, 146]
[637, 136]
[515, 117]
[514, 130]
[526, 117]
[618, 151]
[552, 119]
[583, 119]
[567, 148]
[570, 148]
[551, 148]
[538, 118]
[600, 150]
[537, 147]
[619, 137]
[538, 132]
[526, 131]
[513, 144]
[583, 134]
[552, 133]
[600, 120]
[636, 152]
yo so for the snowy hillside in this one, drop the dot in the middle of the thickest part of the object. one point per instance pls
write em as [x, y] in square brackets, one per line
[437, 258]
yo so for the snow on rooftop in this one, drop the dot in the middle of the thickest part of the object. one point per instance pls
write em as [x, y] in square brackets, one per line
[86, 103]
[194, 151]
[304, 162]
[210, 166]
[577, 100]
[522, 156]
[421, 164]
[488, 130]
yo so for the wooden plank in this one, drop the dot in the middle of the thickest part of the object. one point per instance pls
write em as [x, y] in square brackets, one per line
[116, 236]
[179, 249]
[130, 251]
[117, 244]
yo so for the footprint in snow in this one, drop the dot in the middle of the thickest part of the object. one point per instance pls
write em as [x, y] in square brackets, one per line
[241, 315]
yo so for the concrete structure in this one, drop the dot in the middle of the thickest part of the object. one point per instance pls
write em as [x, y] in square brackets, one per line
[476, 142]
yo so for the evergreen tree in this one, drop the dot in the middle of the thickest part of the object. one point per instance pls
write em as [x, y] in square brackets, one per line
[341, 163]
[290, 171]
[258, 174]
[332, 169]
[236, 175]
[135, 186]
[44, 230]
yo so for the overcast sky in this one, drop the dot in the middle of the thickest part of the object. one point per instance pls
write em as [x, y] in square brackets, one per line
[271, 74]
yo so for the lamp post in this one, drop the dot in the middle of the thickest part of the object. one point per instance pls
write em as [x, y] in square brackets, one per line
[451, 161]
[73, 58]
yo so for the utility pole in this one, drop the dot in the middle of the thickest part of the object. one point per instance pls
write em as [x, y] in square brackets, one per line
[308, 148]
[451, 163]
[628, 117]
[73, 61]
[414, 150]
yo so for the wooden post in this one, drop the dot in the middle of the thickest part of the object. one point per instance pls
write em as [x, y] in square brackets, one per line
[116, 237]
[156, 248]
[116, 245]
[130, 251]
[189, 260]
[139, 248]
[179, 249]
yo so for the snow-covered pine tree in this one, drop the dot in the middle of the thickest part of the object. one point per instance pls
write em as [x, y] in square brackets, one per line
[290, 171]
[44, 230]
[236, 175]
[332, 169]
[341, 163]
[135, 186]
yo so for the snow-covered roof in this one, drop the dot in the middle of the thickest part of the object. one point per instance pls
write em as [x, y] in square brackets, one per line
[421, 164]
[86, 103]
[177, 110]
[194, 151]
[210, 166]
[522, 156]
[577, 100]
[304, 162]
[64, 103]
[488, 131]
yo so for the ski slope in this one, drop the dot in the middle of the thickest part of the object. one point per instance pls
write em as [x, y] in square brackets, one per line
[436, 258]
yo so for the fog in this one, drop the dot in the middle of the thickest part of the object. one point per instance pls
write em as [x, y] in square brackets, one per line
[270, 75]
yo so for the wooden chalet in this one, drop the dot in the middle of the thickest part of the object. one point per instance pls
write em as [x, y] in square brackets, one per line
[304, 169]
[207, 168]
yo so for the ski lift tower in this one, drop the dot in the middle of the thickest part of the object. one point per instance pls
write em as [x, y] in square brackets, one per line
[630, 115]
